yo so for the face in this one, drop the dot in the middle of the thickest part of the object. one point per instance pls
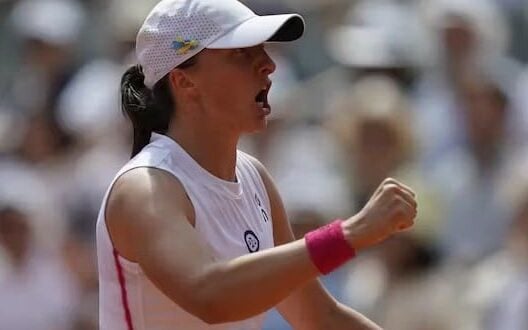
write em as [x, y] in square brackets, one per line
[459, 38]
[485, 115]
[231, 88]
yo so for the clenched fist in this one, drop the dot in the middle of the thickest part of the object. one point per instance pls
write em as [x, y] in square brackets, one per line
[391, 208]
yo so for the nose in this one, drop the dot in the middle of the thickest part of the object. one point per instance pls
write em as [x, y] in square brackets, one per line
[266, 65]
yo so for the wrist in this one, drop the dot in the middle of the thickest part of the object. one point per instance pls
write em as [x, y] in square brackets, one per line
[328, 248]
[354, 231]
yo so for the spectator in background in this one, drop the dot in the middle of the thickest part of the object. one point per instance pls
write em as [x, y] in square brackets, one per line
[86, 109]
[45, 34]
[370, 40]
[33, 174]
[37, 291]
[476, 218]
[45, 143]
[48, 30]
[463, 33]
[372, 124]
[413, 295]
[495, 290]
[39, 150]
[508, 310]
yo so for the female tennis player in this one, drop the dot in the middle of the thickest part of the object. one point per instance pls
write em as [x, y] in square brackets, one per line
[192, 233]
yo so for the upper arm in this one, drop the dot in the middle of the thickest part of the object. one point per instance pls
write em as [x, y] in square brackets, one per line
[149, 220]
[304, 308]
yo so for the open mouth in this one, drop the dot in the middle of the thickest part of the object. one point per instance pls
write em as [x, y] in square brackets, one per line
[262, 98]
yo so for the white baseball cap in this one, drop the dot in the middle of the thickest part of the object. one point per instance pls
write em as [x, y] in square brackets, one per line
[176, 30]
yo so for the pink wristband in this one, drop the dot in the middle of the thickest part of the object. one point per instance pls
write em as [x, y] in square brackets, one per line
[328, 247]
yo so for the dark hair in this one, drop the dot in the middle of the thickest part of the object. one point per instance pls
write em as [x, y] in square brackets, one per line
[148, 110]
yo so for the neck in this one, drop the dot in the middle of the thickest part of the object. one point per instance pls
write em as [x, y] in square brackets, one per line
[213, 150]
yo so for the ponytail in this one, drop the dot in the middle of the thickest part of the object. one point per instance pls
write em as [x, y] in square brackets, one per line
[148, 110]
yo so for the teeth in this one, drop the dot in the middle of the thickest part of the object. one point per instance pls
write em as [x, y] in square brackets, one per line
[263, 106]
[262, 99]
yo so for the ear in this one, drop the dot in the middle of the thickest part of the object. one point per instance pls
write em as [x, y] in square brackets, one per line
[182, 83]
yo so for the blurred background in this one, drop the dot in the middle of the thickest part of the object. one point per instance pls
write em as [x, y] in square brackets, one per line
[431, 92]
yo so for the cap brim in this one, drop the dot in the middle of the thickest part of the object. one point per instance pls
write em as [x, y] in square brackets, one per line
[261, 29]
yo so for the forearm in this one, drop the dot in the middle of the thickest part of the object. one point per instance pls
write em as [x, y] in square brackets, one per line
[345, 318]
[254, 283]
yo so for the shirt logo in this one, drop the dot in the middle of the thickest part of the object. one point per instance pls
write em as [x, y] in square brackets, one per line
[183, 46]
[252, 241]
[262, 210]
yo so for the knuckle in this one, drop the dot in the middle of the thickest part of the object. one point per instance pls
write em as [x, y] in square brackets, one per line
[390, 188]
[397, 200]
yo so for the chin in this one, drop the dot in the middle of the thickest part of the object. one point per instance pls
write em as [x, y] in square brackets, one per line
[258, 126]
[262, 124]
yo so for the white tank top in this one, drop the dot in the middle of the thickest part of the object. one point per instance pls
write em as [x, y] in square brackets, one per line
[232, 218]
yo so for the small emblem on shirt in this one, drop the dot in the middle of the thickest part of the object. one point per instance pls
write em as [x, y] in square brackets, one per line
[252, 241]
[261, 208]
[257, 200]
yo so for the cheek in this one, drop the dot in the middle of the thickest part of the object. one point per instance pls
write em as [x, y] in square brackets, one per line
[236, 105]
[227, 91]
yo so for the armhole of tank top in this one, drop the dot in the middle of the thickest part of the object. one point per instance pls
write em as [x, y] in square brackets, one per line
[128, 264]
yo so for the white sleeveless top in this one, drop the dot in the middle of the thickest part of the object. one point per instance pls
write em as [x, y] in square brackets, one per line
[232, 218]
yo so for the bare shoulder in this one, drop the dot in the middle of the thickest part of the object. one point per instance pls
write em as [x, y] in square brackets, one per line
[144, 185]
[140, 204]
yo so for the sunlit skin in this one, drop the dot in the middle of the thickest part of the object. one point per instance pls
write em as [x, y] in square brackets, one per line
[216, 104]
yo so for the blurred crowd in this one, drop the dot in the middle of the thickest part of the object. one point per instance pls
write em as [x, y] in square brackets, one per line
[431, 92]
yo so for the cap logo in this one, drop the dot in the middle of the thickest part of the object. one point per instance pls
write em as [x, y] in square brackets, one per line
[183, 46]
